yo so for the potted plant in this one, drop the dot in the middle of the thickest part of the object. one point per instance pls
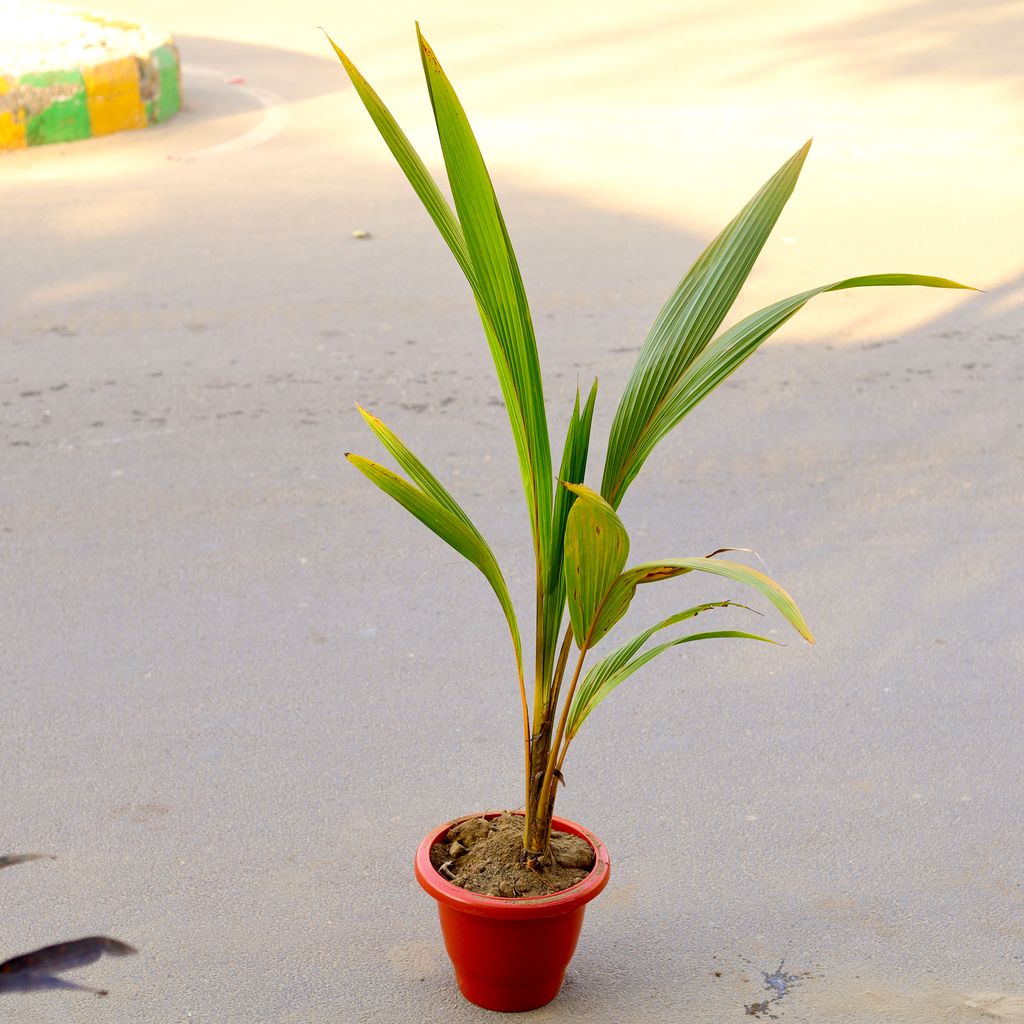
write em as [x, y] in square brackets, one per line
[511, 938]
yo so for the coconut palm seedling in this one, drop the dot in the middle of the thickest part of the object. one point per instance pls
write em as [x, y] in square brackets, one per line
[580, 545]
[39, 969]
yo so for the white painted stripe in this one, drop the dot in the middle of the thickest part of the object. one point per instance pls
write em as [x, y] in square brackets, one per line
[276, 115]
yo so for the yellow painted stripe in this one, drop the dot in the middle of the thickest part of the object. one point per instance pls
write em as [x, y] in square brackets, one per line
[113, 97]
[12, 122]
[12, 132]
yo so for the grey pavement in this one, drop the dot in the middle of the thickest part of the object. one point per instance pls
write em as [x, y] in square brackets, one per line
[240, 685]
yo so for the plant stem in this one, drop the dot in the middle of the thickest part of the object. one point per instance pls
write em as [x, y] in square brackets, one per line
[556, 682]
[535, 833]
[561, 756]
[535, 743]
[526, 738]
[545, 803]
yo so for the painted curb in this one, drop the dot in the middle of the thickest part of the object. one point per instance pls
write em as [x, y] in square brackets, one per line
[117, 94]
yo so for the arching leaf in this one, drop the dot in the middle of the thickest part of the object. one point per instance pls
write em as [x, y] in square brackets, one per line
[487, 260]
[587, 698]
[612, 663]
[453, 527]
[409, 161]
[689, 319]
[499, 289]
[621, 593]
[727, 352]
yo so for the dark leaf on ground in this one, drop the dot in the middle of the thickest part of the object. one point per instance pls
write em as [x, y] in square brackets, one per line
[6, 860]
[36, 970]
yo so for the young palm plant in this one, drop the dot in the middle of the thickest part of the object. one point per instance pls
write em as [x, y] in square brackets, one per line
[580, 545]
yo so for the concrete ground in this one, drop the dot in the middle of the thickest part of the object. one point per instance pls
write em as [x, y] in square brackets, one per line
[240, 685]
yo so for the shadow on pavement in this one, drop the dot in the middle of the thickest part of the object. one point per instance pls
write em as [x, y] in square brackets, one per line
[931, 38]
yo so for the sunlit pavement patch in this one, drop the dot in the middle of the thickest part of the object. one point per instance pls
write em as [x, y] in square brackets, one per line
[67, 75]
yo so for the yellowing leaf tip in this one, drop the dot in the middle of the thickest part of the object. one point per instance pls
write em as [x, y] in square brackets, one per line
[337, 49]
[580, 490]
[428, 53]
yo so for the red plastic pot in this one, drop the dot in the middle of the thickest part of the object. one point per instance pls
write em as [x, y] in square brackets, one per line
[510, 954]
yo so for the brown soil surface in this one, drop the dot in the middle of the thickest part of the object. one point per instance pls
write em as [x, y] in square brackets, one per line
[485, 856]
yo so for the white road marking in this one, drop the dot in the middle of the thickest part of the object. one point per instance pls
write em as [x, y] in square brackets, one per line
[276, 115]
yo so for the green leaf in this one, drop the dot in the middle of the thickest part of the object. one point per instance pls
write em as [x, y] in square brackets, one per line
[689, 318]
[621, 593]
[451, 525]
[727, 352]
[598, 684]
[612, 663]
[500, 293]
[596, 547]
[412, 465]
[489, 266]
[409, 161]
[572, 470]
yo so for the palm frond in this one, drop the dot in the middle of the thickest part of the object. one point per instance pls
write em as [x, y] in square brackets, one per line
[732, 348]
[499, 289]
[452, 526]
[689, 319]
[598, 684]
[622, 590]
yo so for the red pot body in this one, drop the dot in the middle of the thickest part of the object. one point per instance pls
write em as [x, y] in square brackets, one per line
[511, 954]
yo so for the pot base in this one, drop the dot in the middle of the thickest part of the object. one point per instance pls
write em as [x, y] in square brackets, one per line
[508, 997]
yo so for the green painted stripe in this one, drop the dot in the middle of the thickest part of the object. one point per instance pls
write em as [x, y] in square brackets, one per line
[168, 97]
[55, 105]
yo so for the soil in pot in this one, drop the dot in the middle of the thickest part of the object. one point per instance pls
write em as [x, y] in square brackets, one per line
[485, 856]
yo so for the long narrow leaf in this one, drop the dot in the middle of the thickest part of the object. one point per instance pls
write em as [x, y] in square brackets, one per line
[451, 527]
[621, 593]
[582, 707]
[534, 456]
[572, 471]
[690, 318]
[727, 352]
[415, 468]
[409, 161]
[500, 291]
[596, 547]
[612, 663]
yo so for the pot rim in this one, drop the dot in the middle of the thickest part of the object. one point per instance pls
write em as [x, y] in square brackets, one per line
[514, 907]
